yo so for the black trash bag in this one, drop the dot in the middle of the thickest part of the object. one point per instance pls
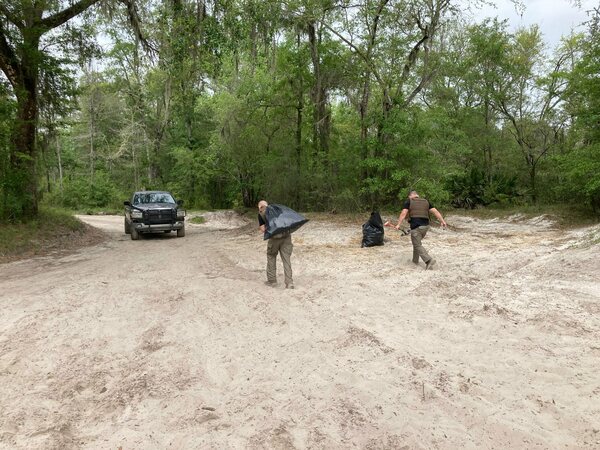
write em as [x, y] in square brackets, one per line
[281, 219]
[373, 231]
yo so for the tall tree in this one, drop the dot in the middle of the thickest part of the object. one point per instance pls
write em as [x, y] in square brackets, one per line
[581, 166]
[529, 99]
[24, 26]
[487, 45]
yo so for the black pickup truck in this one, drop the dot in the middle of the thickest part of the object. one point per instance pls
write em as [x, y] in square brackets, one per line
[154, 212]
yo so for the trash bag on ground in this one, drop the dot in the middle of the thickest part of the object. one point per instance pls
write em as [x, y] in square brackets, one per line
[282, 220]
[373, 231]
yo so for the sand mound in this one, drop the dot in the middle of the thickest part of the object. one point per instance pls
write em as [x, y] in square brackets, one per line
[220, 220]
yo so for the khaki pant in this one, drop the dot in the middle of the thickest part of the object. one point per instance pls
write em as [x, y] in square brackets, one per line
[418, 250]
[284, 247]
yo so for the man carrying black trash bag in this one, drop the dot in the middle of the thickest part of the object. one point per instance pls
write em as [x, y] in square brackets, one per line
[278, 222]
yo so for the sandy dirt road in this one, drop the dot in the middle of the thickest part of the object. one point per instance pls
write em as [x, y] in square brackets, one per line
[175, 343]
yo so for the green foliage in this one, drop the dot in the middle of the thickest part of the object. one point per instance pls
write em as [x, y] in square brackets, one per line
[37, 51]
[8, 177]
[422, 148]
[248, 100]
[198, 220]
[470, 190]
[82, 194]
[433, 190]
[192, 173]
[580, 164]
[581, 171]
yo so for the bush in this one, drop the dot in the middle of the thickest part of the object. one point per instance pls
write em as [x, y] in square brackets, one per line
[470, 190]
[346, 201]
[432, 190]
[581, 169]
[82, 194]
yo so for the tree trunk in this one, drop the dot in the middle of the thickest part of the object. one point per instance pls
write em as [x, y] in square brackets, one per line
[299, 108]
[249, 198]
[382, 134]
[532, 174]
[487, 149]
[136, 176]
[23, 182]
[59, 159]
[44, 146]
[364, 128]
[299, 118]
[92, 128]
[321, 120]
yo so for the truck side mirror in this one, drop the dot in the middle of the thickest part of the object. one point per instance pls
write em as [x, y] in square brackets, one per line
[180, 202]
[128, 203]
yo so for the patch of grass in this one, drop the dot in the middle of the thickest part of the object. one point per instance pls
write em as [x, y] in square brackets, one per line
[52, 230]
[198, 220]
[246, 212]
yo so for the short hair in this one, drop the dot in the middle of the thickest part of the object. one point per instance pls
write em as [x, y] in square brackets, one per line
[262, 202]
[412, 191]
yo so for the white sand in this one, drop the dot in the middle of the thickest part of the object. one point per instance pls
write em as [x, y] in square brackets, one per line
[176, 343]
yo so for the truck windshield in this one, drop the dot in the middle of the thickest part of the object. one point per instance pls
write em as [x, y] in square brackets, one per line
[152, 197]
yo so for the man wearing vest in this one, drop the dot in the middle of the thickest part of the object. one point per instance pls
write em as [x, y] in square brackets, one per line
[280, 244]
[418, 210]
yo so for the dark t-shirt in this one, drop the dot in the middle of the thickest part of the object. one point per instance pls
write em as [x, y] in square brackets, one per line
[416, 222]
[261, 220]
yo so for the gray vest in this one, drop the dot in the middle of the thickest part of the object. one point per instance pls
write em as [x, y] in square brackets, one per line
[419, 208]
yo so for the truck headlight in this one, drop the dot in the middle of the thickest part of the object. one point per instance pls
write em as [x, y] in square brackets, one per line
[136, 214]
[180, 213]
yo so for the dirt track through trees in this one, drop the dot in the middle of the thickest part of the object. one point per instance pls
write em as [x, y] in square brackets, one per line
[176, 343]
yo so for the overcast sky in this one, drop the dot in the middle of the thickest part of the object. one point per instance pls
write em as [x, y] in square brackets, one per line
[555, 17]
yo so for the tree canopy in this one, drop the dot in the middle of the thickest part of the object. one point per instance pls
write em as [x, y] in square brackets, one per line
[318, 104]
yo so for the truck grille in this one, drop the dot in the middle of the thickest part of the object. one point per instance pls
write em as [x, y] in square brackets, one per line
[158, 216]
